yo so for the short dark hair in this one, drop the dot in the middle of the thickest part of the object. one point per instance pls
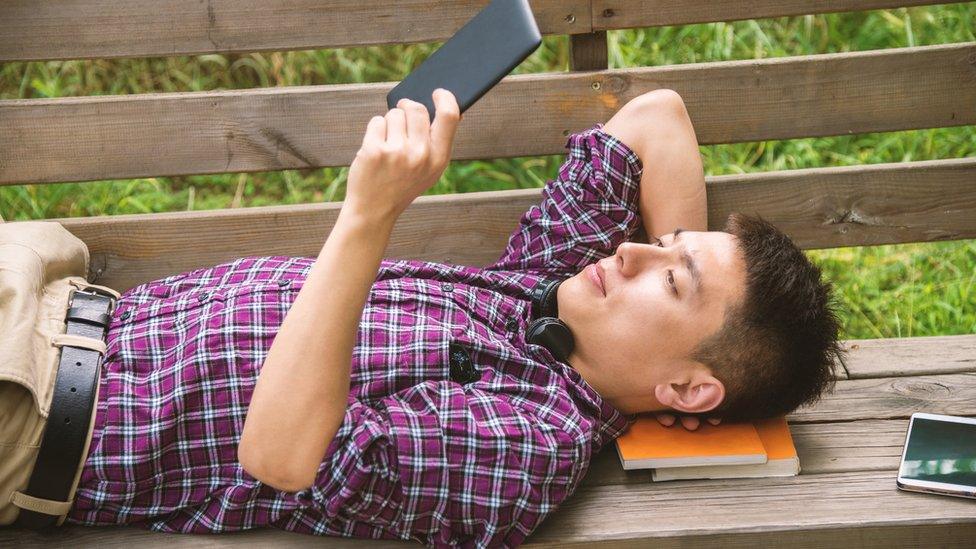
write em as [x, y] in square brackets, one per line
[777, 348]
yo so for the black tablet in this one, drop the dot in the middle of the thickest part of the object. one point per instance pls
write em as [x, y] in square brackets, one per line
[476, 58]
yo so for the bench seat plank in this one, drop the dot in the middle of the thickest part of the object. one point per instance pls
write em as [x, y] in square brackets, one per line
[739, 508]
[892, 397]
[910, 356]
[164, 134]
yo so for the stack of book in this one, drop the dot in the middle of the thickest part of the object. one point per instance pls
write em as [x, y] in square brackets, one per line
[727, 450]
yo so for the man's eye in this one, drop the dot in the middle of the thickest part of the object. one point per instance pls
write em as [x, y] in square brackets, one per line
[659, 243]
[674, 288]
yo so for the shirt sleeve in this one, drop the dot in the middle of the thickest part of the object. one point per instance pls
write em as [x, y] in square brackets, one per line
[442, 464]
[589, 209]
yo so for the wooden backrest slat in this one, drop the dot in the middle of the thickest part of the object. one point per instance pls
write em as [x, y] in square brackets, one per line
[109, 137]
[656, 13]
[71, 29]
[823, 207]
[78, 29]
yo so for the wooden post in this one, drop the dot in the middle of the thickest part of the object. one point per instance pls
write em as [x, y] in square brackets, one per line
[588, 52]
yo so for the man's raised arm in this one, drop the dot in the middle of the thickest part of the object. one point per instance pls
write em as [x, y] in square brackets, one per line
[656, 126]
[300, 397]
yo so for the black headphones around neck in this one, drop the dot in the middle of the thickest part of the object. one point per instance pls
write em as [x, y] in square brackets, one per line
[547, 330]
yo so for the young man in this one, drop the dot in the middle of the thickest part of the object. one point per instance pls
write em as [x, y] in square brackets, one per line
[356, 396]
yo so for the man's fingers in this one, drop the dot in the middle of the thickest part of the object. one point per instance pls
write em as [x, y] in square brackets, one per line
[418, 120]
[689, 422]
[375, 131]
[447, 113]
[665, 419]
[715, 420]
[396, 127]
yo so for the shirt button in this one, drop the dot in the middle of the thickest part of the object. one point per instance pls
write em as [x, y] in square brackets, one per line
[448, 287]
[203, 296]
[462, 371]
[511, 325]
[284, 282]
[126, 314]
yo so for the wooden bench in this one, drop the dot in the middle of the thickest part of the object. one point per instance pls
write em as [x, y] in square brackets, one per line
[849, 443]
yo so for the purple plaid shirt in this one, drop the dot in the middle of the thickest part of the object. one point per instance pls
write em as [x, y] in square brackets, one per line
[419, 456]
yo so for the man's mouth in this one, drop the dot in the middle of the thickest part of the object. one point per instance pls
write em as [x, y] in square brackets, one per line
[596, 275]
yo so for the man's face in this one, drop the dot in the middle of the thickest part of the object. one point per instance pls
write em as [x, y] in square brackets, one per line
[640, 329]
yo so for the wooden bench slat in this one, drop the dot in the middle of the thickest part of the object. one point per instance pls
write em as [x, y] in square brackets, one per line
[887, 203]
[73, 29]
[893, 397]
[655, 13]
[835, 506]
[107, 137]
[911, 356]
[77, 29]
[931, 534]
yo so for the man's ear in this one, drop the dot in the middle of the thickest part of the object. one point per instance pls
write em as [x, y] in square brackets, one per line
[701, 393]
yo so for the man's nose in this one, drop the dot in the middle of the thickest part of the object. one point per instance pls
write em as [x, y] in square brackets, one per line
[636, 256]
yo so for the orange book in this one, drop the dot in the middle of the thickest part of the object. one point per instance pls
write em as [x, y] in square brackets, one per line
[647, 444]
[777, 442]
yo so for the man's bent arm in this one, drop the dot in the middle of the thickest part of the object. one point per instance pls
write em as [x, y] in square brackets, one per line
[300, 398]
[672, 186]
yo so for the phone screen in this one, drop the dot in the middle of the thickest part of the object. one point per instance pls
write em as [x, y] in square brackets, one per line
[941, 451]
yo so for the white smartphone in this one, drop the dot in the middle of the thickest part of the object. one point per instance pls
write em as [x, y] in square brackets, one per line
[939, 456]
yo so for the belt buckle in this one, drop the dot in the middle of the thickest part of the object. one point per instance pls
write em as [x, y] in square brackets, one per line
[95, 292]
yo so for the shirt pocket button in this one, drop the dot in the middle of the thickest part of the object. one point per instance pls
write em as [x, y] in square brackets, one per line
[448, 287]
[462, 371]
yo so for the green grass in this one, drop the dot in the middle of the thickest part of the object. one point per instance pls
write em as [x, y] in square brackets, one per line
[884, 291]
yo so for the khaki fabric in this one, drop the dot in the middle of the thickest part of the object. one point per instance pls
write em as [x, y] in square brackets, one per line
[40, 264]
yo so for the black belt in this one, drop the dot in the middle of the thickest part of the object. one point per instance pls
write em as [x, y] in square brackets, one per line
[72, 406]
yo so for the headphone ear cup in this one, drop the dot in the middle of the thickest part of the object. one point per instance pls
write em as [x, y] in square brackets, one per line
[544, 298]
[553, 334]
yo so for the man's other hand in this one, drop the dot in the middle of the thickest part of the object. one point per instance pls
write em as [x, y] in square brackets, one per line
[689, 422]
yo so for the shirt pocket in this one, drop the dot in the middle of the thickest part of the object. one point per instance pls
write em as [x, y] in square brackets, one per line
[405, 335]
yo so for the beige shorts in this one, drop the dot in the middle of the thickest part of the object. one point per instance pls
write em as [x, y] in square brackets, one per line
[40, 263]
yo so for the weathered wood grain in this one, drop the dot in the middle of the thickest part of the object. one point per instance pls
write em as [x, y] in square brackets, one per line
[933, 534]
[107, 137]
[72, 29]
[910, 356]
[893, 397]
[621, 14]
[835, 506]
[824, 207]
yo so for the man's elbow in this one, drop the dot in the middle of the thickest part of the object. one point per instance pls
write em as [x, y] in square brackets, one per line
[275, 475]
